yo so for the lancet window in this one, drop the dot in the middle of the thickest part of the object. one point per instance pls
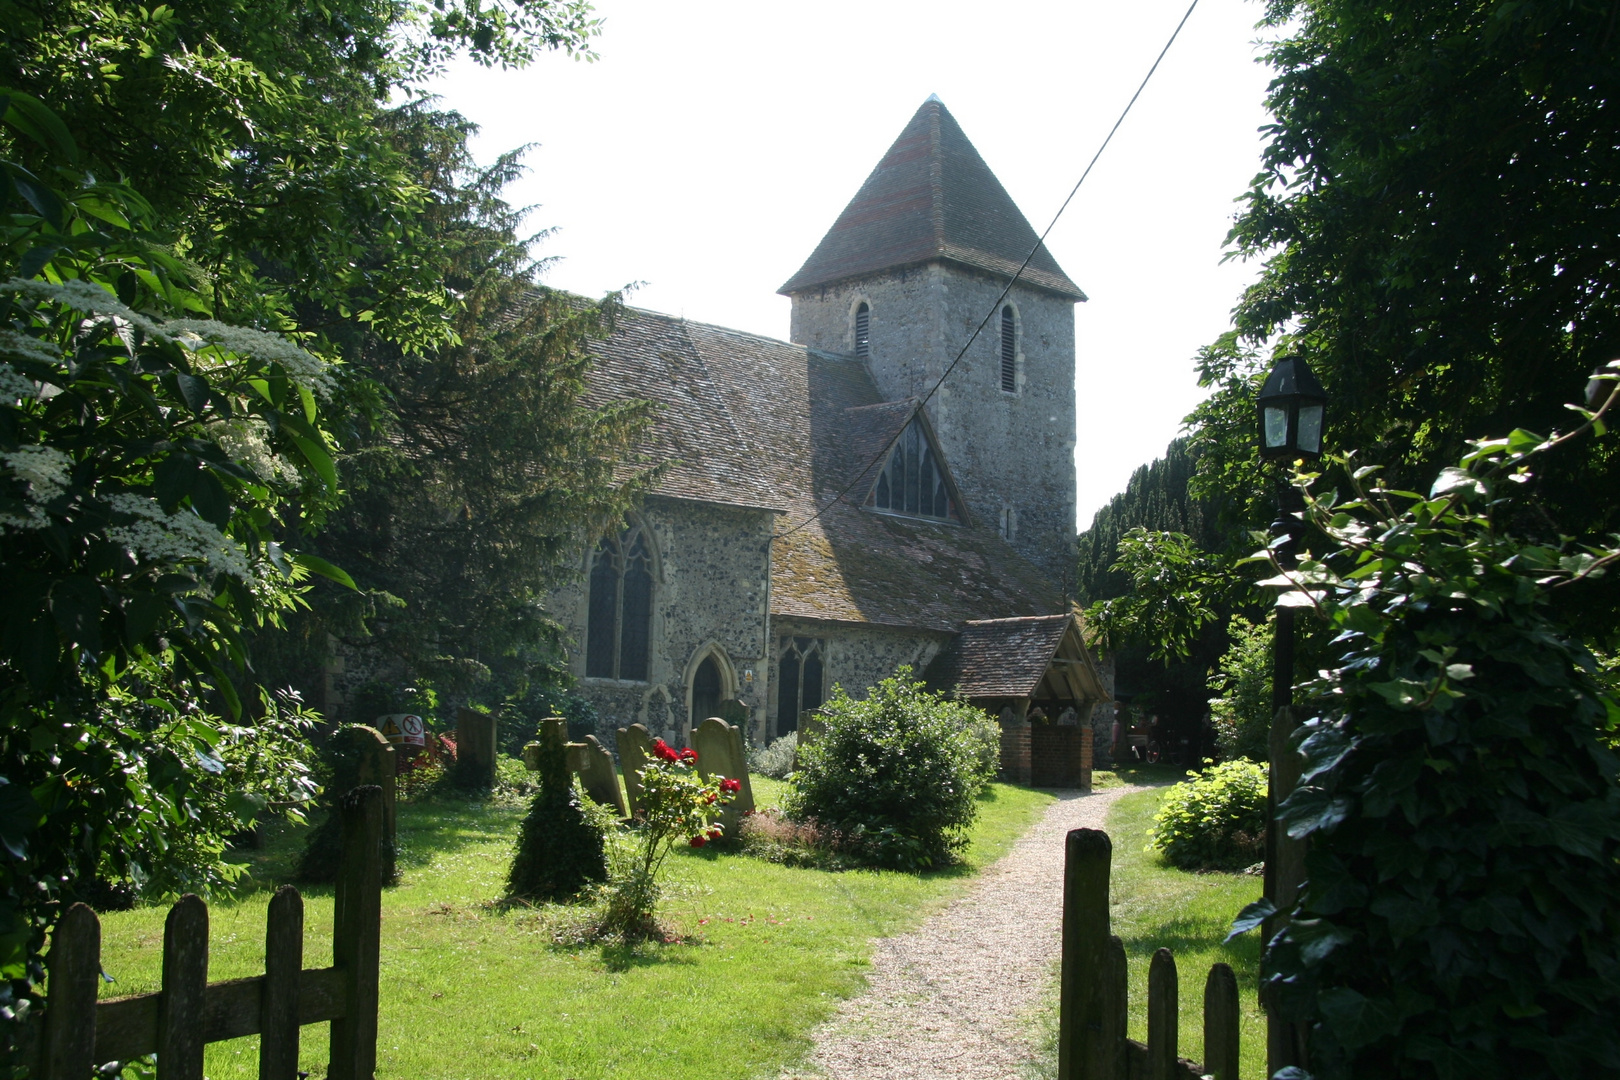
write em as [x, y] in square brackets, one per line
[618, 634]
[800, 672]
[912, 481]
[1009, 350]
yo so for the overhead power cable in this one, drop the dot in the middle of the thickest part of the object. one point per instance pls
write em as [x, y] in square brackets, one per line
[881, 454]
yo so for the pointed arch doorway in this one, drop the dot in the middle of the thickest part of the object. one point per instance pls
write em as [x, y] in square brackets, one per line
[709, 681]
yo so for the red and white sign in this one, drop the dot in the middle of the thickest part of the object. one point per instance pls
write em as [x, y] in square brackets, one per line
[403, 729]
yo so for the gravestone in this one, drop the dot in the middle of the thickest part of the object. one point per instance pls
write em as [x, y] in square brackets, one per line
[720, 753]
[377, 766]
[635, 750]
[810, 729]
[595, 767]
[475, 748]
[589, 759]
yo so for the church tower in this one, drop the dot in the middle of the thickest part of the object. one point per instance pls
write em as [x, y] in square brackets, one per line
[903, 278]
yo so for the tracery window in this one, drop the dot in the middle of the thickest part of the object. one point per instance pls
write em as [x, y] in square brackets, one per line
[618, 632]
[863, 330]
[912, 481]
[800, 668]
[1009, 350]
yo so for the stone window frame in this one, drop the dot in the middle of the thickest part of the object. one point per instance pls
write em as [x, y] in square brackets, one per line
[729, 683]
[820, 649]
[855, 304]
[956, 513]
[635, 527]
[1017, 343]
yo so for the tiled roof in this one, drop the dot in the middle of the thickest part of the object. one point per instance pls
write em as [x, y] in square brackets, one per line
[999, 657]
[789, 428]
[931, 197]
[707, 454]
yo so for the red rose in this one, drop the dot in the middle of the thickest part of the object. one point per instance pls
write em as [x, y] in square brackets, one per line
[689, 754]
[712, 797]
[731, 785]
[716, 833]
[698, 841]
[664, 751]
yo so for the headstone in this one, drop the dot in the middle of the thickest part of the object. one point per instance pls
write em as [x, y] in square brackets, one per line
[596, 775]
[635, 750]
[376, 767]
[475, 747]
[720, 753]
[811, 728]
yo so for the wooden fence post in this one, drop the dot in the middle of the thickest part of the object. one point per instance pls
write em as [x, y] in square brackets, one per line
[1221, 1023]
[356, 935]
[185, 987]
[278, 999]
[1116, 1012]
[1164, 1014]
[1084, 1050]
[74, 966]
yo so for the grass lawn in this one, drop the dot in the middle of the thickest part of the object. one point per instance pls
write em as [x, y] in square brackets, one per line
[469, 991]
[1155, 906]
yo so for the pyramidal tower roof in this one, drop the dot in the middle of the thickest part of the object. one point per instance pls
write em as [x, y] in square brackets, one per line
[931, 197]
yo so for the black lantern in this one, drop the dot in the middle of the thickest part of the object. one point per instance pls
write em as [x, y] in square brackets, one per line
[1292, 405]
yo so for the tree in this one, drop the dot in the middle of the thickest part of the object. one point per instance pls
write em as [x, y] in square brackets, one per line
[1438, 209]
[151, 459]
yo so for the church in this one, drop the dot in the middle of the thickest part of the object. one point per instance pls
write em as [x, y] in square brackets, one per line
[826, 515]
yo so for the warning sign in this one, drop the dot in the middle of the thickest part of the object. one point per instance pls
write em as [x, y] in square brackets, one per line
[403, 729]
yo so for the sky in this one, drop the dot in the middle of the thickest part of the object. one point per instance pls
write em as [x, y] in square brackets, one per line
[713, 143]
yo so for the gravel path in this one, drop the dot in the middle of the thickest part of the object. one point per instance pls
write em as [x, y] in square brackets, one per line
[952, 999]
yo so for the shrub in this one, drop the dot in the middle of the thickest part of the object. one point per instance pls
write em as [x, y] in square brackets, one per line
[1214, 820]
[560, 848]
[897, 774]
[1241, 713]
[775, 760]
[1462, 810]
[677, 804]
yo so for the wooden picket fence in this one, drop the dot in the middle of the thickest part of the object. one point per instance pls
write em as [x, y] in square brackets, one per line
[76, 1033]
[1093, 1008]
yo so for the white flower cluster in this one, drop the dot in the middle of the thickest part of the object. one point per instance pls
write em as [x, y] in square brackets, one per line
[180, 537]
[302, 366]
[247, 441]
[45, 470]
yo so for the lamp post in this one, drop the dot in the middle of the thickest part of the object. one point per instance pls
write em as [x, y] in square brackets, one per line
[1291, 411]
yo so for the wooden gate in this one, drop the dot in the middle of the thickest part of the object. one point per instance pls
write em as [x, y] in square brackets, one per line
[1092, 1044]
[76, 1033]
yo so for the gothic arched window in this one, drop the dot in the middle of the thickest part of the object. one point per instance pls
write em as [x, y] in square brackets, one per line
[799, 677]
[863, 330]
[912, 481]
[1009, 350]
[618, 634]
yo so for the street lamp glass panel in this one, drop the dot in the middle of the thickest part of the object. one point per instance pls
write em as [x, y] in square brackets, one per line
[1276, 421]
[1310, 429]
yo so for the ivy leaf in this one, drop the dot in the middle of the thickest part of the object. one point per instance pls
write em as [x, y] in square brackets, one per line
[1311, 809]
[1355, 1019]
[1250, 917]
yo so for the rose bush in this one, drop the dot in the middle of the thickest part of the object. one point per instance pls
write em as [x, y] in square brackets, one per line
[676, 804]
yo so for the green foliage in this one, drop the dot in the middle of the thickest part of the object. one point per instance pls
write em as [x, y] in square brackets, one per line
[152, 462]
[1215, 819]
[1156, 499]
[1432, 182]
[1242, 712]
[1460, 797]
[897, 775]
[775, 760]
[1176, 589]
[559, 849]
